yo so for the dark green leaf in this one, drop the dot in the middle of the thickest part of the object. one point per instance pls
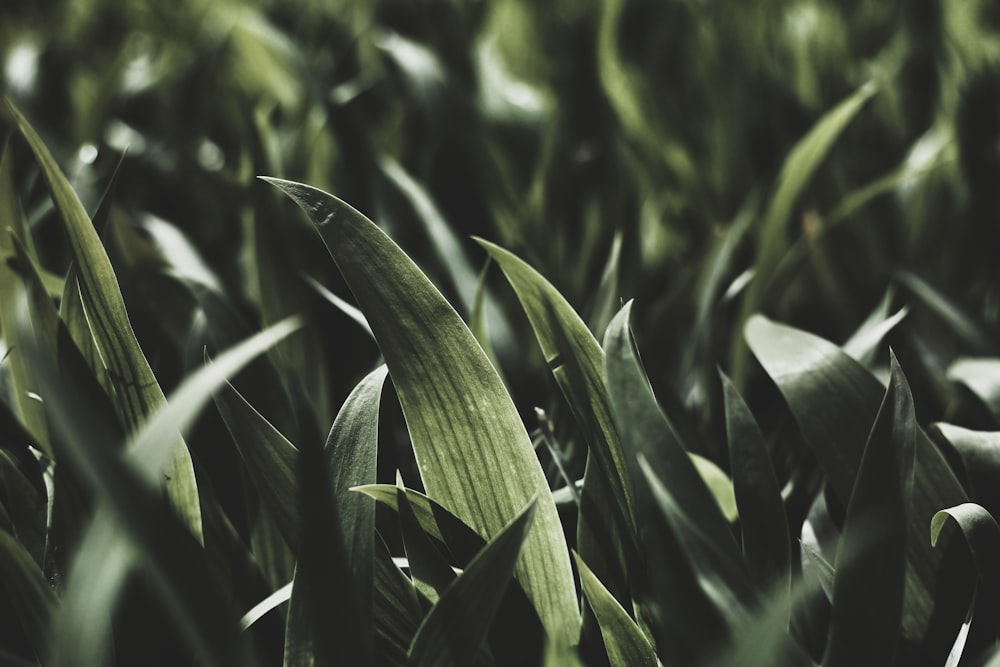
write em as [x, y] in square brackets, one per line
[29, 594]
[429, 570]
[835, 400]
[870, 580]
[454, 630]
[624, 641]
[982, 377]
[763, 523]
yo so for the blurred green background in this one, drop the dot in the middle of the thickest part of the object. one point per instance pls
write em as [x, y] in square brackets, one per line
[625, 148]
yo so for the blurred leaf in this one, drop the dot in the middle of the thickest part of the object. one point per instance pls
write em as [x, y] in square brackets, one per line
[271, 460]
[469, 441]
[870, 579]
[12, 227]
[26, 505]
[763, 522]
[271, 602]
[28, 593]
[139, 395]
[982, 536]
[344, 306]
[834, 401]
[982, 377]
[864, 342]
[624, 641]
[453, 631]
[577, 362]
[607, 298]
[961, 324]
[797, 171]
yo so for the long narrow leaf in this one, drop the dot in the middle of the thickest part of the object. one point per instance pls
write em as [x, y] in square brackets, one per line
[474, 453]
[624, 641]
[871, 559]
[139, 393]
[763, 522]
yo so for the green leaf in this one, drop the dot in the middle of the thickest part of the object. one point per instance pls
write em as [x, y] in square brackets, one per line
[646, 433]
[28, 593]
[454, 630]
[138, 393]
[763, 523]
[268, 604]
[331, 611]
[979, 452]
[12, 228]
[271, 460]
[474, 454]
[870, 578]
[624, 641]
[834, 401]
[796, 173]
[982, 536]
[721, 578]
[864, 343]
[577, 362]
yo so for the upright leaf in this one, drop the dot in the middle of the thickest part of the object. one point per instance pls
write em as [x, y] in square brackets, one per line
[139, 395]
[474, 454]
[763, 522]
[624, 641]
[870, 578]
[29, 594]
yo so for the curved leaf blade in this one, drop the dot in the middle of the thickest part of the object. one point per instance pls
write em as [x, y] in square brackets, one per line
[982, 536]
[474, 453]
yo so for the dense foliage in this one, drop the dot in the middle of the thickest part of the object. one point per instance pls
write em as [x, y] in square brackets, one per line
[443, 447]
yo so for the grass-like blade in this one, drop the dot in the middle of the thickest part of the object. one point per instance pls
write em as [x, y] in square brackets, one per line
[982, 535]
[397, 609]
[871, 558]
[29, 594]
[646, 432]
[474, 454]
[796, 173]
[456, 627]
[271, 460]
[28, 410]
[138, 393]
[834, 401]
[261, 609]
[623, 640]
[577, 362]
[763, 522]
[979, 452]
[26, 504]
[950, 312]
